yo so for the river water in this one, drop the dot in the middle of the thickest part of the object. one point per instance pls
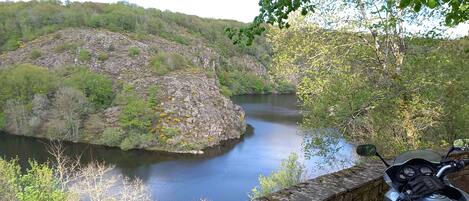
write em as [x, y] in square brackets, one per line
[225, 173]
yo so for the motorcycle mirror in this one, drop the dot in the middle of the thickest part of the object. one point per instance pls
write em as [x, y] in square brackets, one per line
[366, 150]
[461, 144]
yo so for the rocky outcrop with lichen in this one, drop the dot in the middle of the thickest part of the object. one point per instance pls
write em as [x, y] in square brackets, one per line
[189, 100]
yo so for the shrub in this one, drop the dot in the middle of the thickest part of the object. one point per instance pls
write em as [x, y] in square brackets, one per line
[290, 173]
[2, 120]
[103, 56]
[9, 179]
[35, 54]
[22, 82]
[133, 140]
[97, 88]
[66, 47]
[163, 63]
[112, 136]
[136, 116]
[84, 55]
[134, 51]
[226, 91]
[69, 107]
[37, 183]
[285, 87]
[18, 117]
[244, 83]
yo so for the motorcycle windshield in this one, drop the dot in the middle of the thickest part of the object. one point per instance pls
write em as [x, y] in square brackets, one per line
[427, 155]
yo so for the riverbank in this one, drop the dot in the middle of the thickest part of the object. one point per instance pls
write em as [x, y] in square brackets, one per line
[272, 134]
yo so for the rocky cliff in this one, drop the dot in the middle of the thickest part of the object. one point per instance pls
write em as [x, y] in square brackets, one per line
[191, 113]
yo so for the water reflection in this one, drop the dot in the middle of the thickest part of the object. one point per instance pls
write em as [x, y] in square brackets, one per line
[224, 173]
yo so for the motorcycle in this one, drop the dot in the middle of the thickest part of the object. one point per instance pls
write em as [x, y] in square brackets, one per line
[420, 175]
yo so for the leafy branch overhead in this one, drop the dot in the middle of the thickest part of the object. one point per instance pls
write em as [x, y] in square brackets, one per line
[276, 12]
[271, 12]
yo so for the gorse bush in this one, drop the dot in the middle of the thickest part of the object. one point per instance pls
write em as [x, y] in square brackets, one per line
[163, 63]
[290, 173]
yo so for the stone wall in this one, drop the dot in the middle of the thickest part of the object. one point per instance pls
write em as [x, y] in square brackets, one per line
[361, 182]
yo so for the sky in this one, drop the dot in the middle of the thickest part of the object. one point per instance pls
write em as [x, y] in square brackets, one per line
[240, 10]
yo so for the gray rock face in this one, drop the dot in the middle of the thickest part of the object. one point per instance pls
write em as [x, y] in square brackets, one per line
[190, 99]
[193, 104]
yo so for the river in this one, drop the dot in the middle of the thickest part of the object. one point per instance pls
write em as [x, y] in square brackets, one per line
[226, 173]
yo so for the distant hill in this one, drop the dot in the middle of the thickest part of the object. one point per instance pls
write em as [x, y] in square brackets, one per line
[123, 76]
[242, 70]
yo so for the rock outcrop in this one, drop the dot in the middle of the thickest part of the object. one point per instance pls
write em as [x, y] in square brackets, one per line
[189, 99]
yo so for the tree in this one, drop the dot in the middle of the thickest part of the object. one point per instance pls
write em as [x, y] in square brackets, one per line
[68, 109]
[277, 13]
[371, 86]
[291, 172]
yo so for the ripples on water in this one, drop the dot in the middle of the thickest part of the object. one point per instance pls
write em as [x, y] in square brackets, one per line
[225, 173]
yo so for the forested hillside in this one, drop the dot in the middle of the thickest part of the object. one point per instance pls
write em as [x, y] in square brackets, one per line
[120, 75]
[242, 69]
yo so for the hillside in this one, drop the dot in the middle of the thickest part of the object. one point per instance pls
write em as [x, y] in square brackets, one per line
[120, 75]
[242, 70]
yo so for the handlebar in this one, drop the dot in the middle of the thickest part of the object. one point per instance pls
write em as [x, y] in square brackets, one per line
[453, 165]
[466, 162]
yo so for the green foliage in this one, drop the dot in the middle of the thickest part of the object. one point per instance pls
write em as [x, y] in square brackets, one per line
[136, 118]
[226, 91]
[153, 96]
[290, 173]
[277, 13]
[134, 140]
[163, 63]
[238, 82]
[38, 183]
[84, 55]
[285, 87]
[9, 179]
[2, 120]
[457, 13]
[134, 51]
[22, 82]
[66, 47]
[97, 88]
[35, 54]
[18, 26]
[103, 56]
[420, 105]
[112, 137]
